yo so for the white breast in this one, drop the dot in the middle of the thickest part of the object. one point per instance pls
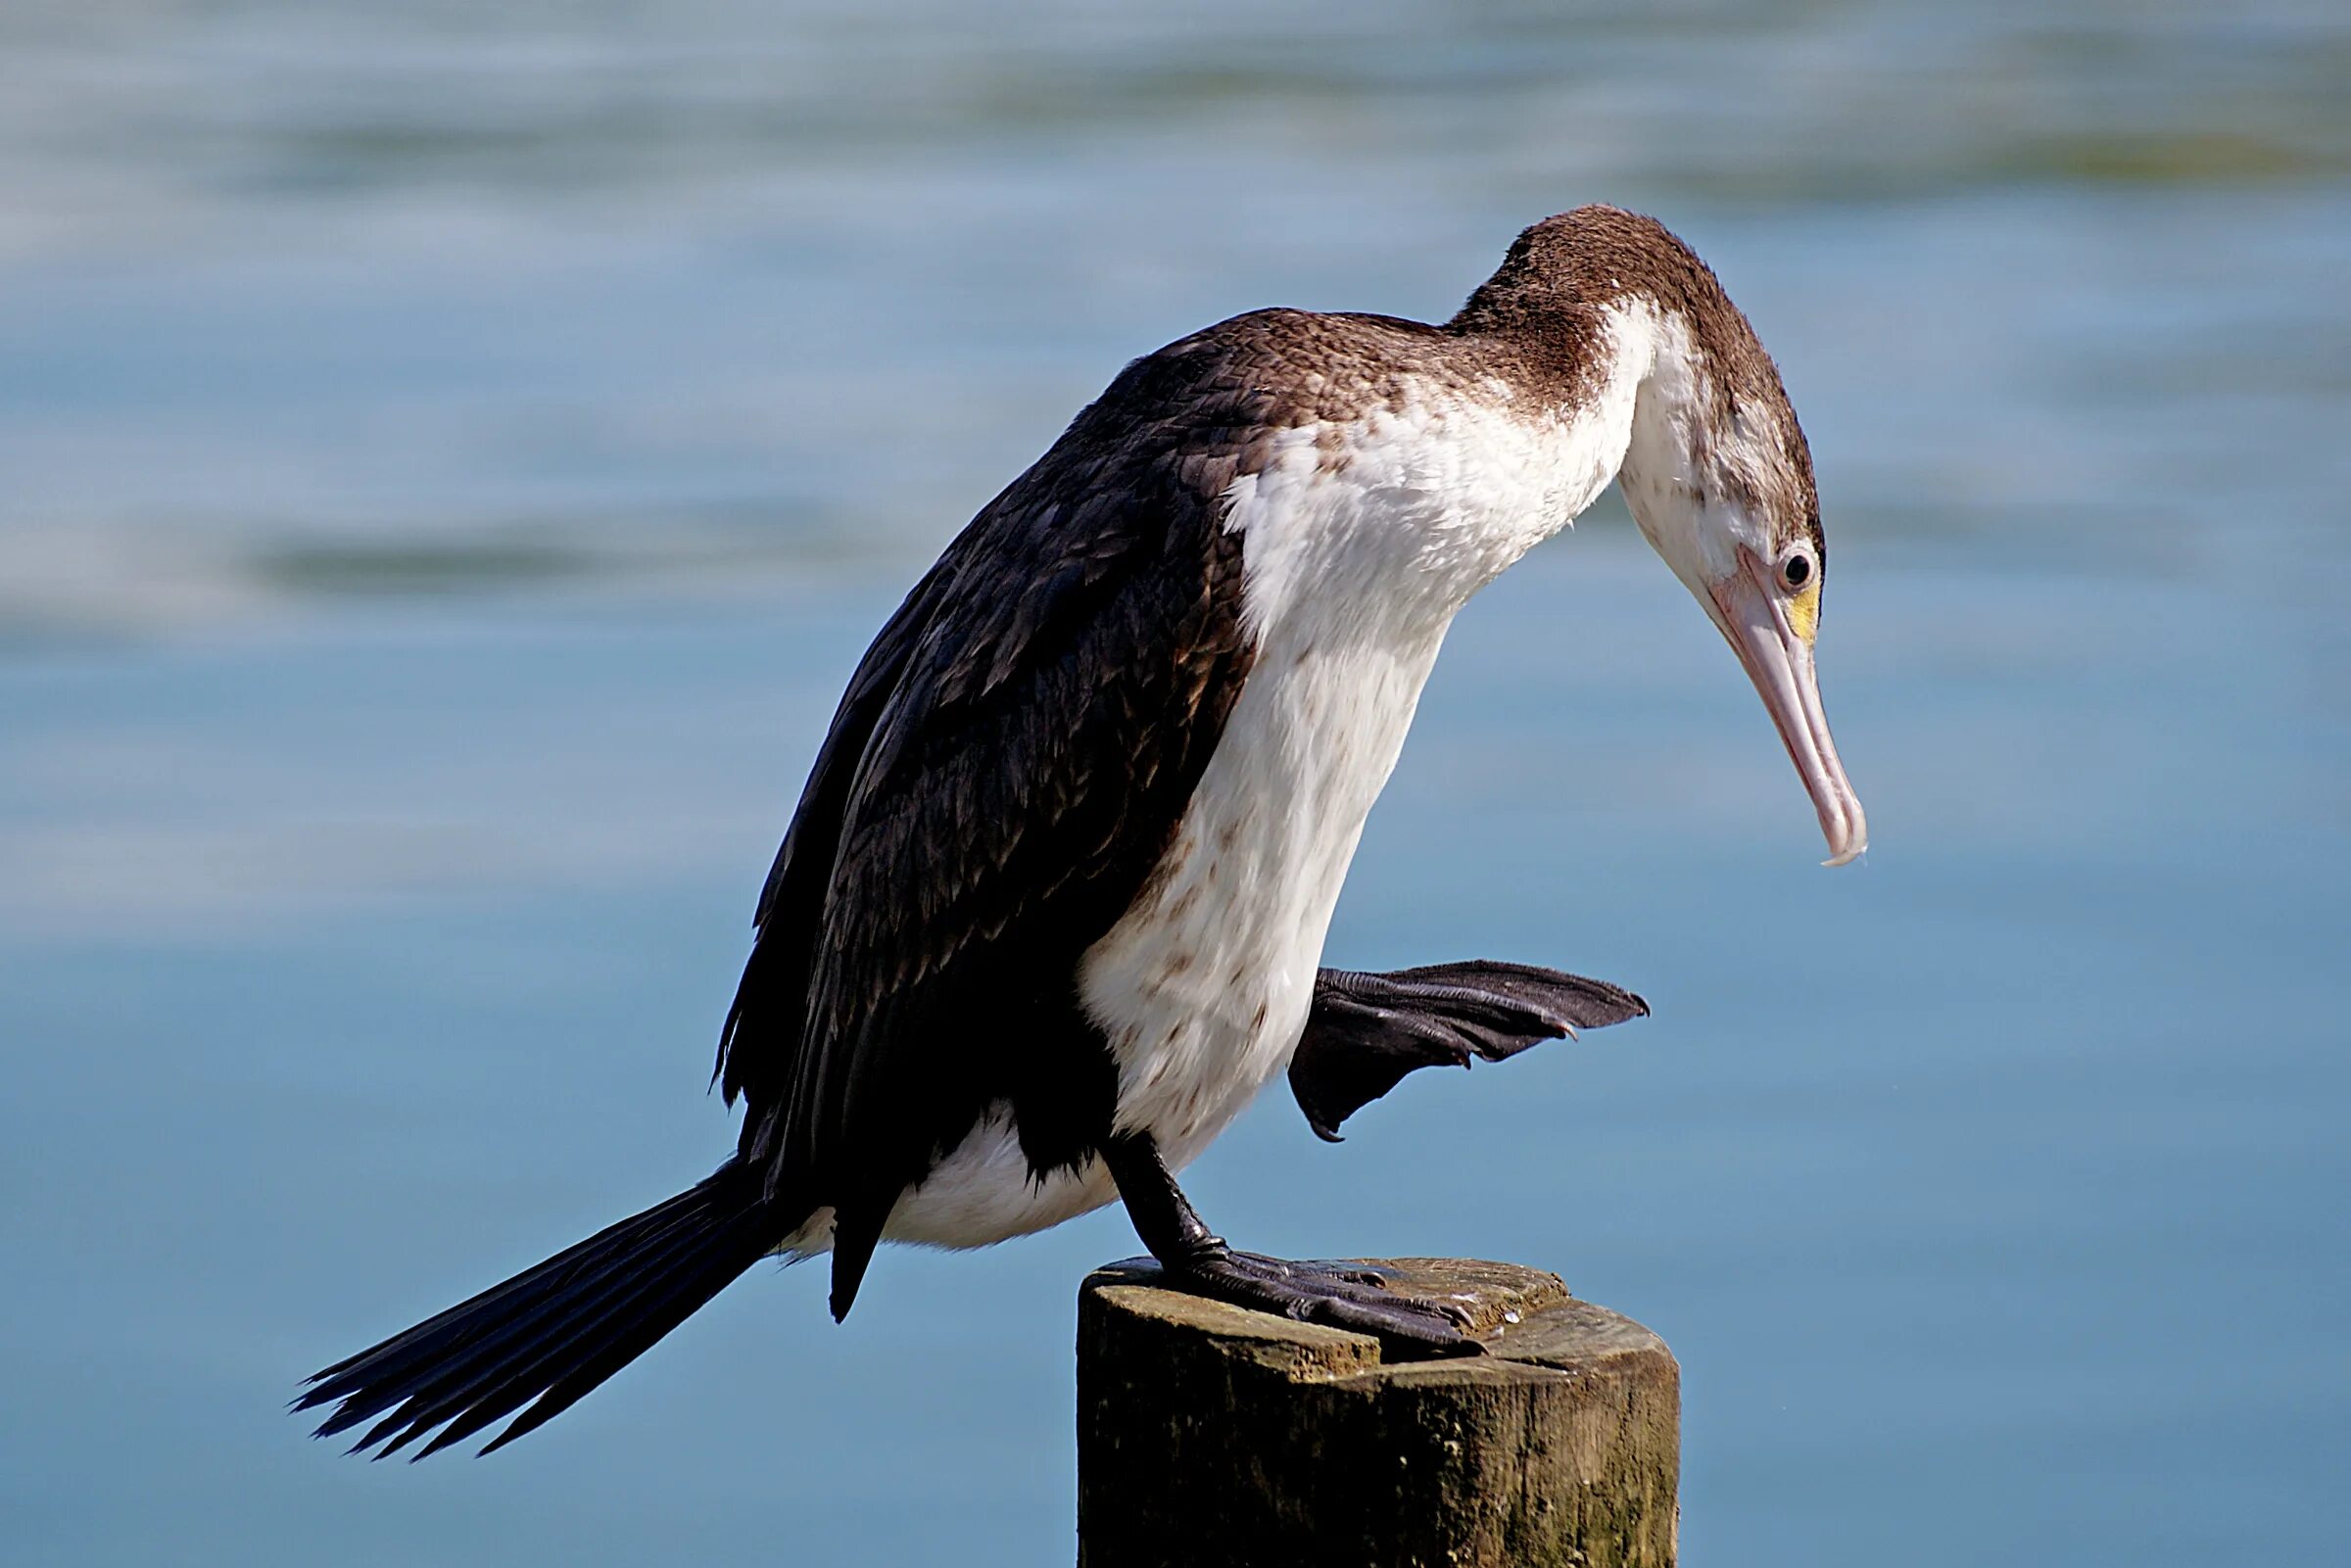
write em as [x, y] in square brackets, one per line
[1353, 575]
[1204, 986]
[1357, 552]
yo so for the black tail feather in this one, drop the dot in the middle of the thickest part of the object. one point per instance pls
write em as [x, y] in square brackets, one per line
[531, 1353]
[536, 1309]
[554, 1332]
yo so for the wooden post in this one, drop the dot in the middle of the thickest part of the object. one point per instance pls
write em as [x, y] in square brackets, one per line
[1208, 1437]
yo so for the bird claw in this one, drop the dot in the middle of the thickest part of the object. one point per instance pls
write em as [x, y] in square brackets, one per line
[1336, 1296]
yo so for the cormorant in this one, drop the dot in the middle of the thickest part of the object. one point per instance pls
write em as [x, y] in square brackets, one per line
[1051, 909]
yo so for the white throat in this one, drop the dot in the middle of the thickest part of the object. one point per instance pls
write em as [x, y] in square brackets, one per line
[1680, 462]
[1405, 512]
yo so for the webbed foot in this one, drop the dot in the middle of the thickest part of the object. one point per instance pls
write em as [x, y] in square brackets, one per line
[1330, 1293]
[1366, 1031]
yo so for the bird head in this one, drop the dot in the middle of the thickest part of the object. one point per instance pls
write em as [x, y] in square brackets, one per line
[1720, 479]
[1716, 470]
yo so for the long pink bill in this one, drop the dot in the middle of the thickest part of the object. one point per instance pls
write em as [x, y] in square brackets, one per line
[1754, 617]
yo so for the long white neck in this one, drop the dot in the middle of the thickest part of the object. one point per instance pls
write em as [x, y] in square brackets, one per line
[1679, 457]
[1402, 514]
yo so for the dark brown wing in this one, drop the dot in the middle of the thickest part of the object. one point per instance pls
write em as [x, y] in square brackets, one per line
[759, 1044]
[1009, 763]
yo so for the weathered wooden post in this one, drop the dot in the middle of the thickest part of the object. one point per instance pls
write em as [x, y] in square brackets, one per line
[1208, 1437]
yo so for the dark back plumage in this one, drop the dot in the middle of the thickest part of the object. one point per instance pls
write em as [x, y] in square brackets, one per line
[1011, 760]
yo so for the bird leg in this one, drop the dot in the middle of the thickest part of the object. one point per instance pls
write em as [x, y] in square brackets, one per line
[1198, 1261]
[1366, 1031]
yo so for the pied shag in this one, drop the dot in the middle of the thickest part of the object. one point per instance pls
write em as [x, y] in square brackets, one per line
[1051, 909]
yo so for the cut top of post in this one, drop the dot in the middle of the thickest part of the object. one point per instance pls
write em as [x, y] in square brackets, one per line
[1212, 1434]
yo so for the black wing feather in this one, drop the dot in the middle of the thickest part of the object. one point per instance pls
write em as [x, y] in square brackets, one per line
[792, 901]
[1011, 761]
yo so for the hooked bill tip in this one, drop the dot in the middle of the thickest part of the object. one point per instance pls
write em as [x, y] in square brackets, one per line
[1849, 838]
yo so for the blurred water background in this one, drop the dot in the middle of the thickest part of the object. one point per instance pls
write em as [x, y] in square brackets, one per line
[451, 458]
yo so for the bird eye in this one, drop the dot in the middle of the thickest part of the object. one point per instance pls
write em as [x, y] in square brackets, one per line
[1797, 569]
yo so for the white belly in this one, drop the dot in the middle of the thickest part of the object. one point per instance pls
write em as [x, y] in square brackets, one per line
[1204, 987]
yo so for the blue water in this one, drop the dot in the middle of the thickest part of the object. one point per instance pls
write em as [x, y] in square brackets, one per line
[449, 461]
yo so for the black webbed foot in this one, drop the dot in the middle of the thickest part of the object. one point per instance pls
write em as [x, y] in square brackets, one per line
[1366, 1031]
[1339, 1295]
[1330, 1293]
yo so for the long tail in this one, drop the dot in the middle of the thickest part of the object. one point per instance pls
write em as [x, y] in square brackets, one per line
[552, 1333]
